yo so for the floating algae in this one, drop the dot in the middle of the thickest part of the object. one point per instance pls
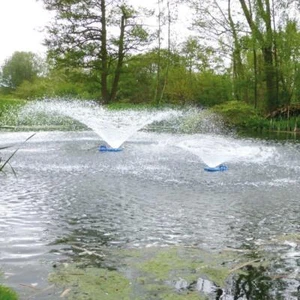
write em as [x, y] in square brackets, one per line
[91, 283]
[145, 274]
[179, 273]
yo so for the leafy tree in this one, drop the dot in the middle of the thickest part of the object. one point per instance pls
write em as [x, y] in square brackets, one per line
[198, 57]
[262, 29]
[20, 67]
[84, 35]
[288, 45]
[180, 87]
[61, 82]
[262, 38]
[139, 81]
[213, 88]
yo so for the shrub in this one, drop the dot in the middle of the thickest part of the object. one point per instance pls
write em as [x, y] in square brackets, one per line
[240, 114]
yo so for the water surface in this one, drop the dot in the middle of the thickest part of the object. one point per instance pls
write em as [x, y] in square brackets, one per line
[153, 193]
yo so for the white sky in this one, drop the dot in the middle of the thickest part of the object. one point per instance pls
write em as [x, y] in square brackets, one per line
[22, 22]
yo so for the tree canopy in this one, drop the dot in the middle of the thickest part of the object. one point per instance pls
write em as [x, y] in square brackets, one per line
[239, 50]
[95, 35]
[19, 67]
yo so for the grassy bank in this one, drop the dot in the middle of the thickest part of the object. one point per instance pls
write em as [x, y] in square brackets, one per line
[239, 115]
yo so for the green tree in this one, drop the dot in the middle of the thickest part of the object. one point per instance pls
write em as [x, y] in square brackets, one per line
[263, 31]
[139, 81]
[288, 45]
[20, 67]
[84, 35]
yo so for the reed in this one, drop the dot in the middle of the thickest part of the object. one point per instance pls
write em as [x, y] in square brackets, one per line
[6, 162]
[291, 124]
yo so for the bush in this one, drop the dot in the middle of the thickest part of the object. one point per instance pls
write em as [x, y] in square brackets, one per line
[241, 115]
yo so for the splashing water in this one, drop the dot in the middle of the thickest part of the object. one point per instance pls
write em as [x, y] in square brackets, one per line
[215, 150]
[114, 127]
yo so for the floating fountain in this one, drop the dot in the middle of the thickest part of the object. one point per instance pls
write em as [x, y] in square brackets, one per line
[216, 150]
[212, 145]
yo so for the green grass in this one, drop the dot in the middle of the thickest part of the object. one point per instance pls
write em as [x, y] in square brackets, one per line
[7, 293]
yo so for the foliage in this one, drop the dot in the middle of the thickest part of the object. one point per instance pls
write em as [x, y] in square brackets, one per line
[181, 86]
[240, 115]
[60, 83]
[8, 102]
[19, 67]
[243, 50]
[261, 41]
[283, 124]
[212, 89]
[84, 35]
[7, 293]
[288, 44]
[138, 79]
[7, 105]
[124, 106]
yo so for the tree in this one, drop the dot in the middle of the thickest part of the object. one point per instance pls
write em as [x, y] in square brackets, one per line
[267, 30]
[20, 67]
[288, 46]
[84, 35]
[262, 30]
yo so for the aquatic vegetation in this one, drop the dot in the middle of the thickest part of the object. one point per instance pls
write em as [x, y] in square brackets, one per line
[91, 283]
[158, 274]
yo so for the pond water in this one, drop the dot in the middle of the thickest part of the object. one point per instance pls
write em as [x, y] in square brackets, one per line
[68, 197]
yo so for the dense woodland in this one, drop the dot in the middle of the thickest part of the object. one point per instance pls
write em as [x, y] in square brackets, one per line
[246, 51]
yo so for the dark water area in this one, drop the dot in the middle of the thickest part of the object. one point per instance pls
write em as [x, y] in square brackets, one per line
[280, 136]
[68, 198]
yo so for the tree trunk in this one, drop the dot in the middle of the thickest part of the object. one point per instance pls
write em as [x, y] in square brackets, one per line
[266, 44]
[238, 71]
[118, 69]
[104, 58]
[157, 89]
[270, 74]
[255, 76]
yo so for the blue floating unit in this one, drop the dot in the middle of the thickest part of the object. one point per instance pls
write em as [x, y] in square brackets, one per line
[103, 148]
[220, 168]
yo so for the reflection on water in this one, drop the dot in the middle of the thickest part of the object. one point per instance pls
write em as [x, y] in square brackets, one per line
[253, 284]
[70, 200]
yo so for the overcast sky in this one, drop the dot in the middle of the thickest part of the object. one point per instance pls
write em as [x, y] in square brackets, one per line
[22, 22]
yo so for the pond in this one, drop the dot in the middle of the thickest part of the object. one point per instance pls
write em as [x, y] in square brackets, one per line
[71, 203]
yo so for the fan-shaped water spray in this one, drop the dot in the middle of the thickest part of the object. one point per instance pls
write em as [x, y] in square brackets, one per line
[113, 126]
[215, 150]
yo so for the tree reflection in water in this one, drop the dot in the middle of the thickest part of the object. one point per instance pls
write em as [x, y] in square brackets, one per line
[253, 284]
